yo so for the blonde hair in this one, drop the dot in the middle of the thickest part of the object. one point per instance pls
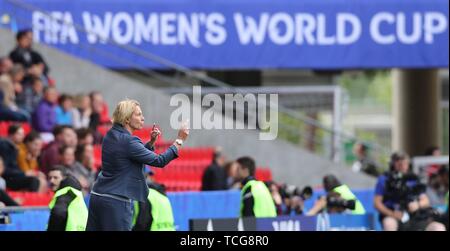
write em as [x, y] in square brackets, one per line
[124, 110]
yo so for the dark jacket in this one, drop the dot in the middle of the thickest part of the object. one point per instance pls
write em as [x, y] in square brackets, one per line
[144, 218]
[248, 200]
[59, 213]
[49, 156]
[28, 57]
[214, 178]
[6, 114]
[123, 159]
[8, 152]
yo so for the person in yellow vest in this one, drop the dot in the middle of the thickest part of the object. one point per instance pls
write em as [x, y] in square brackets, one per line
[68, 211]
[339, 199]
[256, 199]
[155, 214]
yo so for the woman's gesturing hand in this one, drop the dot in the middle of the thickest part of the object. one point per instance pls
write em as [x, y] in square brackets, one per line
[183, 133]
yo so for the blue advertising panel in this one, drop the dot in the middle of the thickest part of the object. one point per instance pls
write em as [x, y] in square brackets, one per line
[236, 34]
[321, 222]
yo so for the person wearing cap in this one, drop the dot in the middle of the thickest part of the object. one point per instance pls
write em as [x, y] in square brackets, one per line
[155, 214]
[68, 211]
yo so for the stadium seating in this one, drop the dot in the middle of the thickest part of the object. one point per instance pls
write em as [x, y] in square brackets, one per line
[31, 199]
[5, 124]
[182, 174]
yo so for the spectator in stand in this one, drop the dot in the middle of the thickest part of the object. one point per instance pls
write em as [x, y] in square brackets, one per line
[15, 178]
[215, 177]
[64, 111]
[25, 55]
[75, 168]
[44, 117]
[9, 96]
[27, 158]
[17, 74]
[276, 196]
[6, 65]
[85, 136]
[82, 111]
[84, 154]
[364, 163]
[100, 111]
[5, 200]
[436, 190]
[99, 115]
[32, 94]
[6, 114]
[231, 172]
[443, 176]
[433, 151]
[64, 135]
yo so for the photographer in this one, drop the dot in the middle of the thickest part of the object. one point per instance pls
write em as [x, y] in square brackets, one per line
[339, 199]
[293, 198]
[401, 200]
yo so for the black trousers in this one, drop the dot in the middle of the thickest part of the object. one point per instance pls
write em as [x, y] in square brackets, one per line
[109, 214]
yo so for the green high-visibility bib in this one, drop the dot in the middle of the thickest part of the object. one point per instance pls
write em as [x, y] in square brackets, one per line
[347, 194]
[77, 212]
[162, 214]
[264, 206]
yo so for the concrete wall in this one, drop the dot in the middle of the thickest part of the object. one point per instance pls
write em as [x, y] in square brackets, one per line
[288, 163]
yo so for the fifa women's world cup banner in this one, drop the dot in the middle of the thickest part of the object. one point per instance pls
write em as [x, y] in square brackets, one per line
[236, 34]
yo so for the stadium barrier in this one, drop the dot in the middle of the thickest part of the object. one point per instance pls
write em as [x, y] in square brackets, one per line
[186, 206]
[321, 222]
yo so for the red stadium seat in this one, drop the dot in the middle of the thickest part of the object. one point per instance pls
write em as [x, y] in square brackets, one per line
[31, 198]
[5, 124]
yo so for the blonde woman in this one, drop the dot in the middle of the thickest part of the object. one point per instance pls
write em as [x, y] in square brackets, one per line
[121, 179]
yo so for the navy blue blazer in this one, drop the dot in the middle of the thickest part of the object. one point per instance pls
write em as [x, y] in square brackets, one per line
[123, 160]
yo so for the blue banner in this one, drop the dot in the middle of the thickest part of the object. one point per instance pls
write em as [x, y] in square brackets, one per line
[224, 204]
[321, 222]
[236, 34]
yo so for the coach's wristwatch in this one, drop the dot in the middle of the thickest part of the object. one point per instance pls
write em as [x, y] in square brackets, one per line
[179, 142]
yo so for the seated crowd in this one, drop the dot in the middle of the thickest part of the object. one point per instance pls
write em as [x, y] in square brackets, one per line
[64, 128]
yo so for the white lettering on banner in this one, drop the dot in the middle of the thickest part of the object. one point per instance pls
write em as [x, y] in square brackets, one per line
[303, 28]
[290, 225]
[353, 21]
[97, 30]
[56, 28]
[431, 28]
[274, 31]
[146, 30]
[416, 33]
[322, 38]
[306, 24]
[122, 36]
[424, 26]
[189, 30]
[168, 28]
[253, 30]
[216, 33]
[375, 28]
[157, 28]
[280, 28]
